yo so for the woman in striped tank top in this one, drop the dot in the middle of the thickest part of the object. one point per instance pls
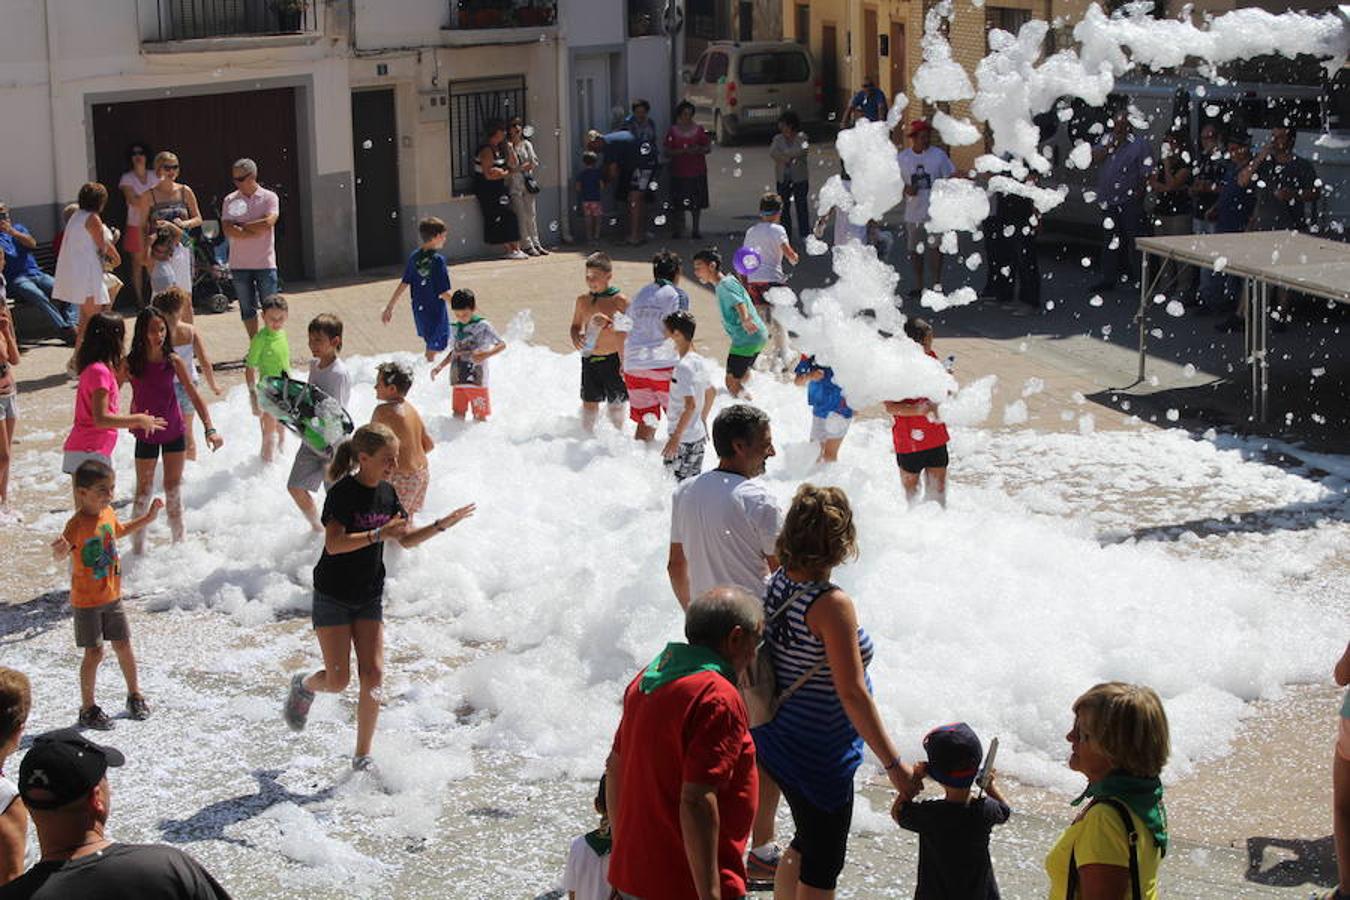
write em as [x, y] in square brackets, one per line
[814, 743]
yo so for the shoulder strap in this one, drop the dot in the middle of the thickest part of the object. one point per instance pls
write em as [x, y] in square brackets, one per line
[1136, 888]
[810, 673]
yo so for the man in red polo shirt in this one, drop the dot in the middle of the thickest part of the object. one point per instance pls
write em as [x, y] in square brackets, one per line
[681, 783]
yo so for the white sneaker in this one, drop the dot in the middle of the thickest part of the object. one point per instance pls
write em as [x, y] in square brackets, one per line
[517, 254]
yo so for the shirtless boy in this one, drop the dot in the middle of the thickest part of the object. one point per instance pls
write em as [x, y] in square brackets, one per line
[600, 343]
[412, 475]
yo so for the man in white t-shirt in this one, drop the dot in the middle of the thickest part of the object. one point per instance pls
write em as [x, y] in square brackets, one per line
[649, 357]
[922, 164]
[769, 241]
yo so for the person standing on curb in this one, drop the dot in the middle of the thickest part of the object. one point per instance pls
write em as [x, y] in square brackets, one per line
[249, 218]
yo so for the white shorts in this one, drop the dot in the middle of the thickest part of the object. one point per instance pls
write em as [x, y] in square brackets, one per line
[832, 427]
[9, 406]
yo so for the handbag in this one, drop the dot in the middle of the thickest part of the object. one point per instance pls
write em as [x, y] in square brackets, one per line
[531, 183]
[758, 684]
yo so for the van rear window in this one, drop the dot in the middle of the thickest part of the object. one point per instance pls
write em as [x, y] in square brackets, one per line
[774, 68]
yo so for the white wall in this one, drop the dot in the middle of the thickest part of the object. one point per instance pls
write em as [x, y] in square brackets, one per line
[382, 24]
[591, 23]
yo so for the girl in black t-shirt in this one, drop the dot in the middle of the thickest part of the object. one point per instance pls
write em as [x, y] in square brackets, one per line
[362, 511]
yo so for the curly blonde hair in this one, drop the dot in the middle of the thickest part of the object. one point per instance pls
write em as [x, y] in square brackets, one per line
[818, 531]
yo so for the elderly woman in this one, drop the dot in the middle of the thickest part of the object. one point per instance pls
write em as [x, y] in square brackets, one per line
[173, 205]
[1113, 848]
[492, 168]
[135, 185]
[814, 743]
[522, 199]
[688, 146]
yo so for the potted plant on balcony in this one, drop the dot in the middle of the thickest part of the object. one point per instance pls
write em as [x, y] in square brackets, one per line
[290, 15]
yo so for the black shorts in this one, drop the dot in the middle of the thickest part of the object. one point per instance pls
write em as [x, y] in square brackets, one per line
[147, 450]
[932, 458]
[738, 365]
[821, 838]
[602, 379]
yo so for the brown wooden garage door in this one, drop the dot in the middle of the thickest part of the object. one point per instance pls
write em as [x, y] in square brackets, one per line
[209, 133]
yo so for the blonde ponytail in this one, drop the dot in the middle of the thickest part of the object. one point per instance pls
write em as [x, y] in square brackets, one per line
[368, 439]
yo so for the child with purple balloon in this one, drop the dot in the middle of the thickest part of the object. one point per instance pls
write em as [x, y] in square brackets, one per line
[740, 320]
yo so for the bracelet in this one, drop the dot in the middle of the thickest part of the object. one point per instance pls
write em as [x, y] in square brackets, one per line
[893, 764]
[375, 535]
[439, 526]
[209, 432]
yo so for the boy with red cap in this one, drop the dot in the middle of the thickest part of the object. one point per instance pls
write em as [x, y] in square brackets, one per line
[954, 831]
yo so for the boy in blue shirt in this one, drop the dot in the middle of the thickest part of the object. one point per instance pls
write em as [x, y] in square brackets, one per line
[428, 280]
[830, 412]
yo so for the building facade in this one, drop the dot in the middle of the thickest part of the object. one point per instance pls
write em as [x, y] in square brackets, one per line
[362, 115]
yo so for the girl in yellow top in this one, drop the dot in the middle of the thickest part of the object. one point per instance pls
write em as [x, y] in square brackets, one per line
[1120, 742]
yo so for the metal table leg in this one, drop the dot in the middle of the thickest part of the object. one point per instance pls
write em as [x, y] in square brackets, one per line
[1142, 315]
[1263, 351]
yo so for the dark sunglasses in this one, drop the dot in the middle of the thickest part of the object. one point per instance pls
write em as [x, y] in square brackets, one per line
[138, 152]
[241, 178]
[172, 167]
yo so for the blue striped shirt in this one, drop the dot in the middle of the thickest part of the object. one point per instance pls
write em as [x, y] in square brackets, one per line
[810, 746]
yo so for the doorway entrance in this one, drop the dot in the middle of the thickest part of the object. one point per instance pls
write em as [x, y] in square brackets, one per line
[375, 152]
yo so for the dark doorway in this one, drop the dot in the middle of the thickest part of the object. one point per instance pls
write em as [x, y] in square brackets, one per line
[897, 57]
[829, 66]
[746, 20]
[208, 133]
[375, 148]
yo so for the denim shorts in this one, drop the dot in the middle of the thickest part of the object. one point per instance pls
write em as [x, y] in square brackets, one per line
[251, 288]
[329, 611]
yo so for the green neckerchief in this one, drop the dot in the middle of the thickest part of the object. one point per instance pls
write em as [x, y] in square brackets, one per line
[679, 660]
[1144, 797]
[661, 282]
[600, 841]
[607, 292]
[460, 326]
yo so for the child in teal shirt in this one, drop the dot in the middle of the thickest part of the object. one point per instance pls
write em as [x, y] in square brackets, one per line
[741, 321]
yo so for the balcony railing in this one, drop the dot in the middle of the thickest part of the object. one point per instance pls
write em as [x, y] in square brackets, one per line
[182, 20]
[468, 14]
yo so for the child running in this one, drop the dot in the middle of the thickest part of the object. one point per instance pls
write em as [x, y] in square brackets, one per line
[683, 452]
[601, 345]
[741, 321]
[830, 412]
[99, 361]
[475, 342]
[954, 831]
[328, 374]
[155, 372]
[191, 349]
[90, 542]
[591, 194]
[770, 242]
[919, 437]
[427, 279]
[587, 873]
[361, 512]
[412, 476]
[269, 355]
[9, 406]
[649, 357]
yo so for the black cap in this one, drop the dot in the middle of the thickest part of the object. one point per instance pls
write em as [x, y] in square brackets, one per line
[63, 766]
[954, 754]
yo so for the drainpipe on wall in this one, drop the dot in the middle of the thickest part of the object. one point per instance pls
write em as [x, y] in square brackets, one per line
[50, 34]
[564, 141]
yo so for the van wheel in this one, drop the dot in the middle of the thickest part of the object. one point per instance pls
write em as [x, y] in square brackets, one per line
[723, 135]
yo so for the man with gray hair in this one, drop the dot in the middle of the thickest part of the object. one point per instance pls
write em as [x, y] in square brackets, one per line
[248, 218]
[681, 781]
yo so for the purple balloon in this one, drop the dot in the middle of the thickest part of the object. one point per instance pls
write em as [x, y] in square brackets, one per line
[746, 261]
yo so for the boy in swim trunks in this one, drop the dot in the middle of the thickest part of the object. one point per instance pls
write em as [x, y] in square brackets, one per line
[474, 342]
[427, 279]
[328, 374]
[601, 345]
[412, 475]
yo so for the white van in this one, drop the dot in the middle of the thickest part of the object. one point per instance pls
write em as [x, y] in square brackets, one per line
[740, 87]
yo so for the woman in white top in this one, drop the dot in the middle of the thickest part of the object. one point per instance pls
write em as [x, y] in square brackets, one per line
[527, 162]
[84, 249]
[16, 699]
[135, 184]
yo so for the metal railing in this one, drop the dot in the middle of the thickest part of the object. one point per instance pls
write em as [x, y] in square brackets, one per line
[469, 14]
[180, 20]
[472, 105]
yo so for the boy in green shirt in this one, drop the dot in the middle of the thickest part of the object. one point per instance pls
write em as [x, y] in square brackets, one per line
[269, 355]
[740, 319]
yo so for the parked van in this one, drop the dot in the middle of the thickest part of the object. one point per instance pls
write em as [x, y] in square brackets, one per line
[737, 88]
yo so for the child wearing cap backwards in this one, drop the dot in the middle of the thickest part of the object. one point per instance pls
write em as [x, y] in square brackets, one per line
[954, 831]
[919, 437]
[16, 699]
[587, 873]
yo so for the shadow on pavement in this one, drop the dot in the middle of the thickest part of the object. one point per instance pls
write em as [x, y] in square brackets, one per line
[1299, 861]
[21, 622]
[209, 822]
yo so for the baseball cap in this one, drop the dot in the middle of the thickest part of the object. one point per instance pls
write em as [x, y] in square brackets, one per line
[63, 766]
[954, 754]
[919, 125]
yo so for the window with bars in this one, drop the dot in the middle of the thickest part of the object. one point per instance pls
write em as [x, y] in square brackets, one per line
[473, 104]
[1009, 19]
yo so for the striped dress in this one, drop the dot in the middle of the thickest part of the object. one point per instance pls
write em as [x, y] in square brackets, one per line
[810, 746]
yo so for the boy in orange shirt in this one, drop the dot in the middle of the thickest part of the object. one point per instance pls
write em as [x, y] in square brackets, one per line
[96, 586]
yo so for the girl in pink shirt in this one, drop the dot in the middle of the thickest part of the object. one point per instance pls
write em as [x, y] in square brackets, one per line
[99, 361]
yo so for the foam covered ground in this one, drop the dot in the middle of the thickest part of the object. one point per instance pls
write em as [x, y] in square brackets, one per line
[511, 638]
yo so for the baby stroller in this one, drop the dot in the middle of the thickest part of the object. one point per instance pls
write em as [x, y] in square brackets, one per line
[212, 286]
